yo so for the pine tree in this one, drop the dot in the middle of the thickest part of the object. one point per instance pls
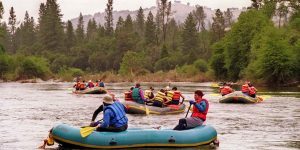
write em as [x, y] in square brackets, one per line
[190, 38]
[119, 25]
[91, 30]
[140, 21]
[200, 16]
[1, 10]
[228, 18]
[128, 24]
[282, 12]
[150, 30]
[109, 18]
[218, 26]
[80, 30]
[51, 32]
[27, 31]
[70, 36]
[12, 23]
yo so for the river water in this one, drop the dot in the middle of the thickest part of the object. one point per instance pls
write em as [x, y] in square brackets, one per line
[28, 111]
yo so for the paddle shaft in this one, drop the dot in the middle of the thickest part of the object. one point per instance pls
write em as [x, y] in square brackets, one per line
[188, 110]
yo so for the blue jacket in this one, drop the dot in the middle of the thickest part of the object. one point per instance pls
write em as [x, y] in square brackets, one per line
[114, 115]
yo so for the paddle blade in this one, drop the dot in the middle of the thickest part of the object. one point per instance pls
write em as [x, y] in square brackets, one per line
[147, 111]
[84, 132]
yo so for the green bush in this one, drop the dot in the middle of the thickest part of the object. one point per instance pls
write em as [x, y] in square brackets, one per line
[201, 65]
[70, 73]
[34, 67]
[188, 70]
[4, 65]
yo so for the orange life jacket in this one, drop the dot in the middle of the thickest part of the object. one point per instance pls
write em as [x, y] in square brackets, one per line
[82, 86]
[128, 96]
[226, 90]
[176, 95]
[245, 88]
[197, 113]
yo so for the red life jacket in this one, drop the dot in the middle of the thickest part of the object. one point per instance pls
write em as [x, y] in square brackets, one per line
[82, 86]
[252, 90]
[128, 96]
[197, 113]
[245, 88]
[176, 95]
[226, 90]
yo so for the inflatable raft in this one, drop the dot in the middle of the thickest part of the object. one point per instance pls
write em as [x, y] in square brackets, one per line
[136, 108]
[70, 137]
[239, 97]
[94, 90]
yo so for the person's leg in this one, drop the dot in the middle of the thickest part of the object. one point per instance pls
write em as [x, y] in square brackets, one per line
[181, 125]
[112, 129]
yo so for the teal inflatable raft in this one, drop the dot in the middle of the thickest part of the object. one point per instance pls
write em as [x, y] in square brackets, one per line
[239, 97]
[94, 90]
[69, 136]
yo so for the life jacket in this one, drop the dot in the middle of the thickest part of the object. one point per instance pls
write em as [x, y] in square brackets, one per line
[90, 84]
[77, 85]
[226, 90]
[176, 96]
[252, 90]
[128, 96]
[101, 84]
[197, 113]
[136, 94]
[245, 88]
[148, 94]
[170, 95]
[82, 86]
[119, 119]
[160, 96]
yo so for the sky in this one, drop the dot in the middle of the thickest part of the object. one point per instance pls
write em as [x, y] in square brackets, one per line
[71, 8]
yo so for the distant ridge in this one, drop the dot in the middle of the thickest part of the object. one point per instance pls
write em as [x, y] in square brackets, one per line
[180, 12]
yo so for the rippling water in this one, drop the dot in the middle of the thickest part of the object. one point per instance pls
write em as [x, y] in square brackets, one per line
[28, 111]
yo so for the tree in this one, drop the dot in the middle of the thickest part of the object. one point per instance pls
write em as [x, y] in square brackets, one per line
[1, 10]
[12, 23]
[91, 30]
[70, 36]
[132, 63]
[150, 30]
[275, 60]
[217, 62]
[51, 34]
[128, 24]
[228, 18]
[237, 43]
[190, 38]
[80, 30]
[109, 18]
[200, 16]
[140, 21]
[119, 25]
[282, 12]
[218, 26]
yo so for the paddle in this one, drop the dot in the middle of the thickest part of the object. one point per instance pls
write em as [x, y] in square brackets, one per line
[188, 110]
[86, 131]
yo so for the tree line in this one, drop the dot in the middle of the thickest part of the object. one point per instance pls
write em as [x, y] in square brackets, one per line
[253, 47]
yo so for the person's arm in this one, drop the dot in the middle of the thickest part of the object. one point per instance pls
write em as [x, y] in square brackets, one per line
[106, 119]
[97, 111]
[201, 107]
[142, 94]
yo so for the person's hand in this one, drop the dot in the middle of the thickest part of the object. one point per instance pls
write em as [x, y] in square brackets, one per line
[93, 124]
[192, 102]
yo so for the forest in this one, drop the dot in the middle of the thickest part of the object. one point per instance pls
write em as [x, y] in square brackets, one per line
[255, 47]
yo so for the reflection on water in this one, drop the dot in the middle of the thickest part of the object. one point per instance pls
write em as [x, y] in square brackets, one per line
[28, 111]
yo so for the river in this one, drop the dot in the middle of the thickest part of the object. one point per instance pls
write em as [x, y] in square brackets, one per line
[29, 110]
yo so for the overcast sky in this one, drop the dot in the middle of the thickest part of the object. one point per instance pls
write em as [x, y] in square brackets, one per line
[71, 8]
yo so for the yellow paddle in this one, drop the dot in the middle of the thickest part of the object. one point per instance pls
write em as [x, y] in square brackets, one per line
[147, 110]
[86, 131]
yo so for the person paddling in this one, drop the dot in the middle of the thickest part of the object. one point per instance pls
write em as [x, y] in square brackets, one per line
[138, 94]
[200, 109]
[114, 116]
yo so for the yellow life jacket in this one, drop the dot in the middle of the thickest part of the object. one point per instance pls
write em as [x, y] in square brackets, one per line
[147, 94]
[160, 96]
[170, 95]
